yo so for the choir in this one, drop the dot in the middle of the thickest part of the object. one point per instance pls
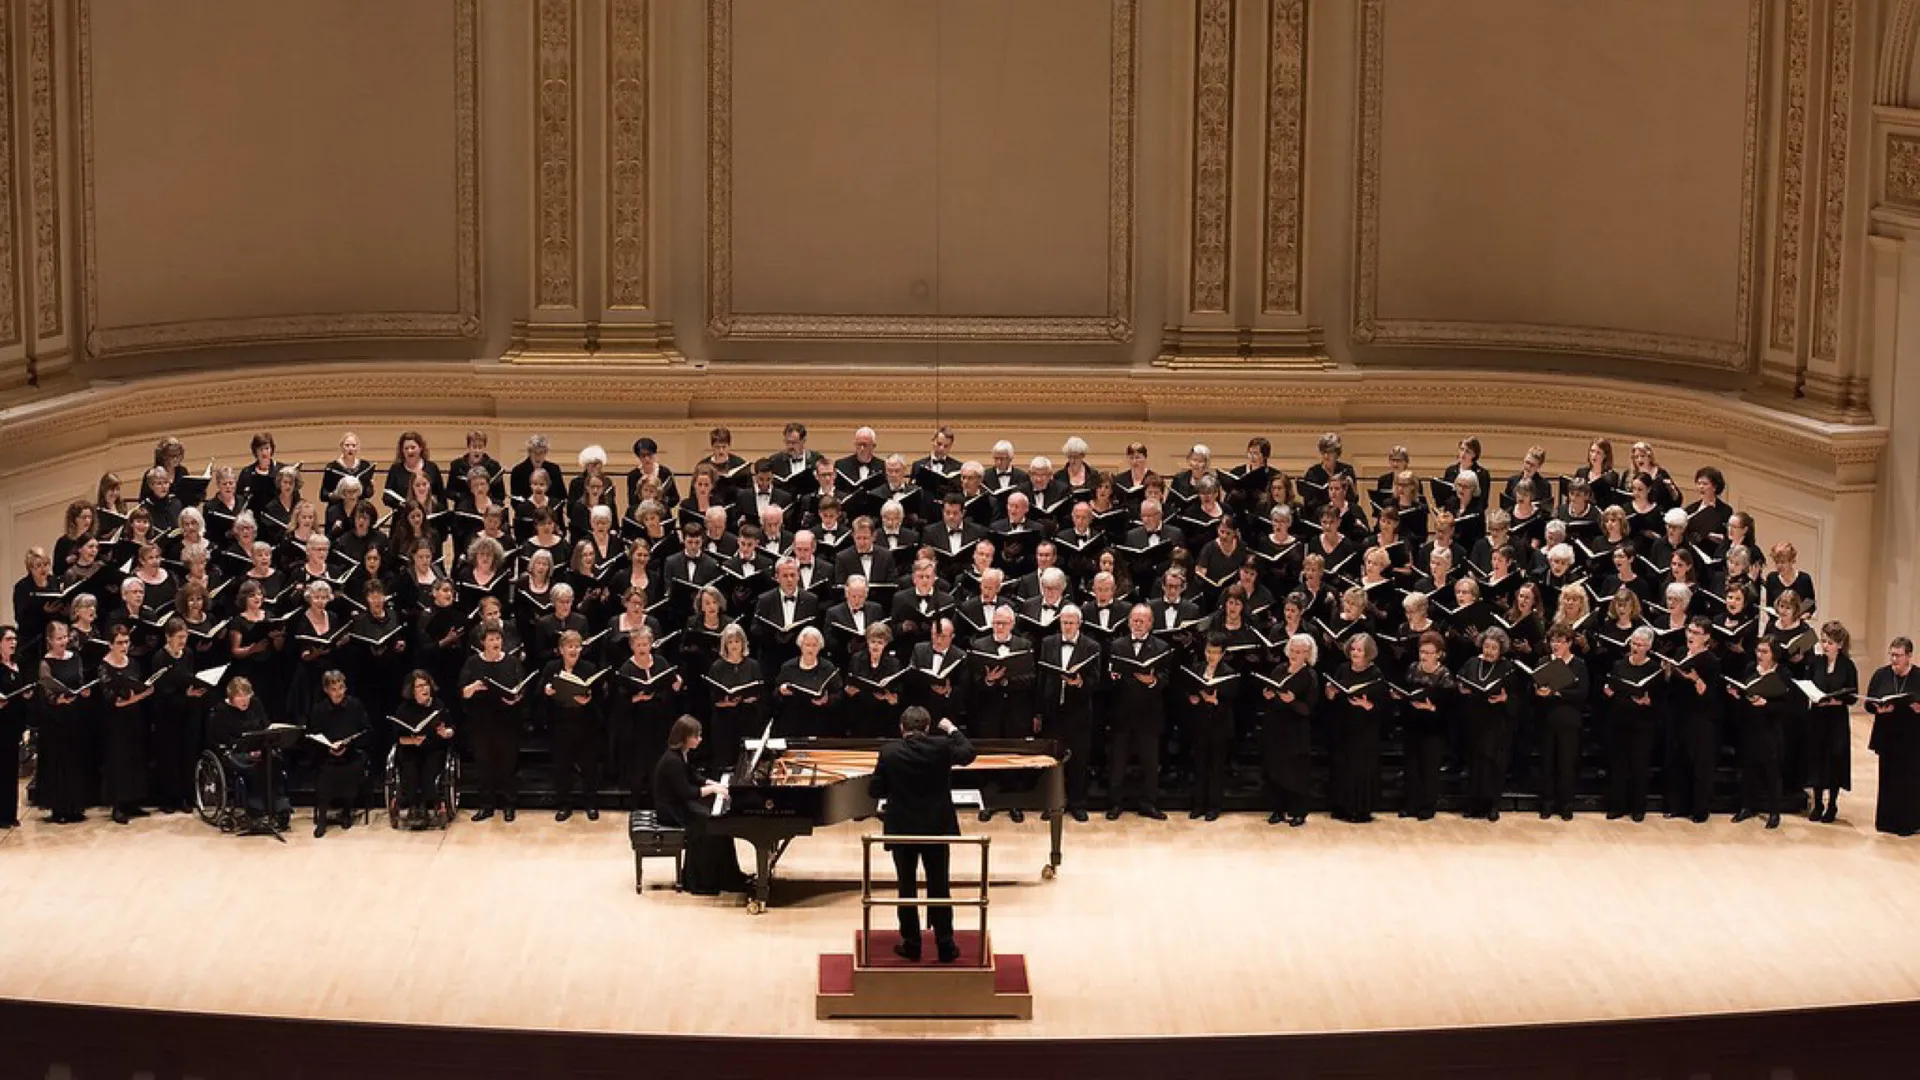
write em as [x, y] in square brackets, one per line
[1479, 634]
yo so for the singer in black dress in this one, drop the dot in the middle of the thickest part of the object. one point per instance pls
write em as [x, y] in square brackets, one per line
[1829, 749]
[1357, 712]
[342, 721]
[17, 694]
[1894, 701]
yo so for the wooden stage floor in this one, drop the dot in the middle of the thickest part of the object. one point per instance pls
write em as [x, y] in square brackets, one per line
[1168, 928]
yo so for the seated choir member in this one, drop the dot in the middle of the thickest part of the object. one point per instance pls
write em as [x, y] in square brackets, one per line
[241, 714]
[340, 723]
[682, 797]
[423, 739]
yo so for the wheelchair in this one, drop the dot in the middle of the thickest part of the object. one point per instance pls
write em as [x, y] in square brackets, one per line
[220, 792]
[442, 812]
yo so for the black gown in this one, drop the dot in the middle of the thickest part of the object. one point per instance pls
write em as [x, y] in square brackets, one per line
[65, 780]
[1489, 728]
[1896, 739]
[126, 735]
[1286, 740]
[1355, 783]
[712, 866]
[1829, 746]
[177, 730]
[13, 723]
[1424, 740]
[640, 727]
[732, 719]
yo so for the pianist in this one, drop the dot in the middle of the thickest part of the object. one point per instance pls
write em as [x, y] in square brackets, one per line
[682, 797]
[915, 776]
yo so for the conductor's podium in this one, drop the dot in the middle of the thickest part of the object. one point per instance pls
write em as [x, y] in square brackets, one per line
[873, 982]
[885, 986]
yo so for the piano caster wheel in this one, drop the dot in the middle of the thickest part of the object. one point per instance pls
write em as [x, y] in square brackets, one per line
[755, 907]
[1047, 872]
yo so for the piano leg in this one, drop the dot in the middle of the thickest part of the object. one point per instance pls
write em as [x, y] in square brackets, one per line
[763, 859]
[1058, 826]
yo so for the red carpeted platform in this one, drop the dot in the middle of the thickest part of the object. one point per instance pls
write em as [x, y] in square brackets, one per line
[890, 986]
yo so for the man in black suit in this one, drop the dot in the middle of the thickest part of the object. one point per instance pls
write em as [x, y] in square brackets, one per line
[915, 776]
[1138, 668]
[779, 616]
[865, 558]
[760, 494]
[1069, 673]
[1000, 702]
[687, 572]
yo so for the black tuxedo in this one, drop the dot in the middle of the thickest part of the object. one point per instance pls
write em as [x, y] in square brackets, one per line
[774, 646]
[843, 639]
[680, 594]
[911, 620]
[1004, 709]
[915, 776]
[1066, 712]
[1014, 544]
[746, 504]
[847, 563]
[921, 689]
[1138, 715]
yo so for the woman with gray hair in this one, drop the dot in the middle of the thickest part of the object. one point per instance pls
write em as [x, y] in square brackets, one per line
[1487, 707]
[1359, 699]
[1634, 693]
[1287, 697]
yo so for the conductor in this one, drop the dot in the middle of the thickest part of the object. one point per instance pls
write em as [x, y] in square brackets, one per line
[915, 776]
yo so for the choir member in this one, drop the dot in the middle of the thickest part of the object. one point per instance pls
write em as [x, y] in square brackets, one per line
[492, 685]
[806, 688]
[1559, 705]
[568, 682]
[1829, 746]
[257, 770]
[645, 699]
[735, 689]
[1694, 707]
[1357, 697]
[1287, 697]
[174, 717]
[423, 740]
[1893, 697]
[1634, 699]
[1485, 700]
[348, 466]
[683, 798]
[261, 479]
[17, 691]
[1214, 687]
[520, 482]
[1664, 491]
[411, 459]
[1137, 669]
[1785, 577]
[1762, 699]
[1069, 674]
[338, 724]
[1426, 692]
[63, 783]
[871, 687]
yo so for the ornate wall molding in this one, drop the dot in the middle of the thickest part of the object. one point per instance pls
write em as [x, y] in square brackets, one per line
[1115, 325]
[628, 171]
[1212, 245]
[1369, 328]
[1833, 183]
[1286, 154]
[1903, 171]
[555, 157]
[1787, 254]
[43, 118]
[1896, 54]
[9, 232]
[463, 322]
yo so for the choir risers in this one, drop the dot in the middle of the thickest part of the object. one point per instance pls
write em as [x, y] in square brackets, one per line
[886, 987]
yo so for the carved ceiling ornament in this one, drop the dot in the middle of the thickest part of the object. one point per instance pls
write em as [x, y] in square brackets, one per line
[628, 100]
[1793, 176]
[43, 118]
[1369, 328]
[1212, 156]
[556, 282]
[1116, 325]
[1903, 170]
[1833, 207]
[1286, 157]
[463, 322]
[9, 245]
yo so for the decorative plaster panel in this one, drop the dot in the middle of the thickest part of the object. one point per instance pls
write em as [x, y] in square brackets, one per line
[1212, 155]
[1286, 153]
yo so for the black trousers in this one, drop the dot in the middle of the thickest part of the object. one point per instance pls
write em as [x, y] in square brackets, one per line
[496, 752]
[1212, 739]
[1074, 727]
[419, 767]
[1286, 749]
[1422, 748]
[937, 858]
[1760, 752]
[339, 781]
[576, 756]
[1693, 751]
[176, 751]
[1559, 763]
[1629, 764]
[1134, 744]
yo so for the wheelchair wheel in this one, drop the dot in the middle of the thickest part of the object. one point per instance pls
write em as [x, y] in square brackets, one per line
[210, 792]
[392, 789]
[449, 791]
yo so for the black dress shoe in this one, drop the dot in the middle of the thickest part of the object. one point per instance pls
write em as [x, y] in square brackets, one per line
[1833, 812]
[1743, 815]
[1566, 815]
[563, 815]
[507, 815]
[1153, 812]
[1296, 821]
[319, 829]
[1362, 819]
[986, 815]
[1493, 815]
[1276, 818]
[1213, 815]
[1773, 821]
[1638, 818]
[593, 813]
[346, 821]
[1018, 816]
[119, 817]
[947, 951]
[1546, 815]
[483, 814]
[1196, 815]
[283, 821]
[1424, 815]
[906, 951]
[137, 812]
[1699, 819]
[1615, 815]
[1113, 813]
[1077, 815]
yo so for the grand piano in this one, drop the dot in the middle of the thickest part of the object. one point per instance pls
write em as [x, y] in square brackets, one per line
[778, 792]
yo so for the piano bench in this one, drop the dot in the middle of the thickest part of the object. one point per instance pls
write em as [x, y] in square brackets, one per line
[653, 840]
